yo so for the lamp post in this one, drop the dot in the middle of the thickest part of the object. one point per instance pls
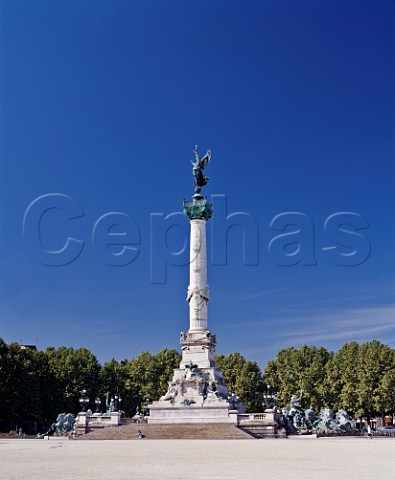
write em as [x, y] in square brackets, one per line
[270, 398]
[118, 401]
[146, 411]
[97, 403]
[84, 400]
[233, 399]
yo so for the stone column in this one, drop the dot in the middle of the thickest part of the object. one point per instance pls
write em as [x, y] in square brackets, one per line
[198, 292]
[198, 345]
[197, 392]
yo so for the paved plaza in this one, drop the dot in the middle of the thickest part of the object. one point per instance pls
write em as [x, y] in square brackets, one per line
[299, 458]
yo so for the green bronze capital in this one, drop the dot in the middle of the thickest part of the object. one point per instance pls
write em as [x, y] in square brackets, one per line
[198, 208]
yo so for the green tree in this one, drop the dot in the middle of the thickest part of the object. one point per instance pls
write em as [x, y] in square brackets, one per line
[112, 379]
[147, 376]
[140, 379]
[374, 361]
[39, 385]
[231, 366]
[295, 369]
[343, 377]
[386, 388]
[6, 380]
[26, 384]
[244, 378]
[74, 371]
[42, 389]
[166, 361]
[361, 379]
[249, 387]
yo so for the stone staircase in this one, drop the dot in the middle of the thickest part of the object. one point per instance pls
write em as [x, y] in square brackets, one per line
[264, 431]
[176, 431]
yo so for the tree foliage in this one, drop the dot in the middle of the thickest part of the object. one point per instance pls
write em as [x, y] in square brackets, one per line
[39, 385]
[74, 371]
[358, 377]
[244, 378]
[148, 376]
[112, 379]
[362, 379]
[295, 369]
[26, 384]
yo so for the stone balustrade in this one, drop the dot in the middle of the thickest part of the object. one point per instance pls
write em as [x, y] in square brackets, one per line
[86, 423]
[260, 425]
[251, 417]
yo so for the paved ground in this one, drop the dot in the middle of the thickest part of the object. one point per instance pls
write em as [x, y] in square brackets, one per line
[300, 458]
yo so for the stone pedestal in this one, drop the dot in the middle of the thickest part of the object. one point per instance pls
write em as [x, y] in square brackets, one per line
[81, 423]
[195, 395]
[164, 414]
[198, 348]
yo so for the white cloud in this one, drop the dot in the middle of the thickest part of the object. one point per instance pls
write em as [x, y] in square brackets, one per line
[330, 329]
[252, 296]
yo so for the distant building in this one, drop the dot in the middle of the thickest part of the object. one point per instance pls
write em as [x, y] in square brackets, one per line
[29, 347]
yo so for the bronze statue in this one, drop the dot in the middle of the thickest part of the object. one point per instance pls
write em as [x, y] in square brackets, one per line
[63, 426]
[295, 402]
[198, 166]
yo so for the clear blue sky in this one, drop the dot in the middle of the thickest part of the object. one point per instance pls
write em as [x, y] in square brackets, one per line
[103, 101]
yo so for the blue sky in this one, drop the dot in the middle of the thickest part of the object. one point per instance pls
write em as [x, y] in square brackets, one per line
[103, 102]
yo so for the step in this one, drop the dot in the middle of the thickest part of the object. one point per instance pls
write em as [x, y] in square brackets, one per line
[161, 431]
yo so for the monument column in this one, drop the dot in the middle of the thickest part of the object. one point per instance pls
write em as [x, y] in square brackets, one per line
[198, 345]
[198, 293]
[197, 393]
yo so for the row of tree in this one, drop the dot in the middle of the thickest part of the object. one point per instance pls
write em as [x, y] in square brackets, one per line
[40, 384]
[358, 377]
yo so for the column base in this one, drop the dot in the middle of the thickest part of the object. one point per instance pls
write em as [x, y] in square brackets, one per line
[198, 348]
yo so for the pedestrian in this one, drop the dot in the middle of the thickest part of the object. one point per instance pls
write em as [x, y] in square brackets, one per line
[369, 432]
[139, 435]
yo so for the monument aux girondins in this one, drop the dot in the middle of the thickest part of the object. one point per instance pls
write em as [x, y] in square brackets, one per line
[197, 393]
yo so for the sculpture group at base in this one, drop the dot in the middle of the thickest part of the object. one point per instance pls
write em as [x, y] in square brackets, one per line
[63, 426]
[296, 420]
[193, 380]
